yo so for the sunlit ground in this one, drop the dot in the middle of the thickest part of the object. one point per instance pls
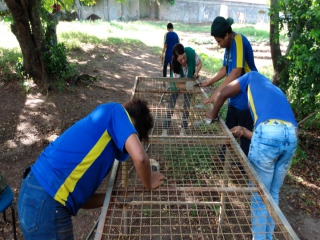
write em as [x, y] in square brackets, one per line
[7, 39]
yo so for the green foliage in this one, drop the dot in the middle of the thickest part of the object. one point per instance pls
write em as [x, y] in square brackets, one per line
[8, 59]
[6, 17]
[19, 66]
[303, 59]
[313, 122]
[48, 4]
[88, 2]
[299, 156]
[56, 61]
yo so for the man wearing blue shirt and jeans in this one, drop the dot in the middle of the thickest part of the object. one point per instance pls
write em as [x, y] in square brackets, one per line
[273, 141]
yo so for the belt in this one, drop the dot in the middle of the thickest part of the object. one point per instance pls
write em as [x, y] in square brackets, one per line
[26, 172]
[277, 122]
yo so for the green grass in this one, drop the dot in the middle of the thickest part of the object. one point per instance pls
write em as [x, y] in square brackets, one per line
[74, 40]
[132, 34]
[192, 158]
[254, 35]
[267, 71]
[210, 64]
[8, 60]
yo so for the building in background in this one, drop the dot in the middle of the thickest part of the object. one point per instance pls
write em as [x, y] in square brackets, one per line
[186, 11]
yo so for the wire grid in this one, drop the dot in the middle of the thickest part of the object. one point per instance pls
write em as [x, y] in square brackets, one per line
[205, 195]
[188, 112]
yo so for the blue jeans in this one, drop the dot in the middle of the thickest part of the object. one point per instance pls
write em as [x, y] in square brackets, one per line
[186, 105]
[40, 216]
[164, 70]
[271, 151]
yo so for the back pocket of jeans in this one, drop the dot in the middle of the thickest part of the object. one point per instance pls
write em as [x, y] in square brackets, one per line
[30, 213]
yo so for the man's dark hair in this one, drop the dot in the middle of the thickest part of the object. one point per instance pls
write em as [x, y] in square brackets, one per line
[140, 114]
[178, 49]
[221, 26]
[224, 33]
[169, 26]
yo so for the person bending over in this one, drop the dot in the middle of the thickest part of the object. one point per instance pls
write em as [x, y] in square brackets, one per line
[186, 63]
[68, 172]
[273, 140]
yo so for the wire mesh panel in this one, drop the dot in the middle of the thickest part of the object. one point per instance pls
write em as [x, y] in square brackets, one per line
[177, 112]
[205, 196]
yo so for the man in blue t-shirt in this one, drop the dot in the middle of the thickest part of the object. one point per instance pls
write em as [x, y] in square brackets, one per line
[170, 40]
[273, 141]
[238, 60]
[68, 172]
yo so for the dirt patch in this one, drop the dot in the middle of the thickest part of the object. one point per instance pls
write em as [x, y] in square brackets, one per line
[29, 121]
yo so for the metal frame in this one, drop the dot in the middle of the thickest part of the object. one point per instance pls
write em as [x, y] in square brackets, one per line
[203, 197]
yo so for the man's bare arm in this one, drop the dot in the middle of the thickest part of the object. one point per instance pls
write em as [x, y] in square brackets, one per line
[235, 73]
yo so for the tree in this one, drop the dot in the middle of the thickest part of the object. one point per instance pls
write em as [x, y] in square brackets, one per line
[277, 58]
[35, 30]
[297, 71]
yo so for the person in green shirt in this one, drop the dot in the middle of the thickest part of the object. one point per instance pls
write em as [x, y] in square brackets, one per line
[186, 63]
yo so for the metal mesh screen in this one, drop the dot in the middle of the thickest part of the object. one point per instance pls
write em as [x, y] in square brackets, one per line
[205, 196]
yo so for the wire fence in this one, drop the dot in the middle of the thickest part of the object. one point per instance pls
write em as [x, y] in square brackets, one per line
[207, 194]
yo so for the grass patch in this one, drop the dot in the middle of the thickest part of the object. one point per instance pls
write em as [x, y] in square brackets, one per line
[210, 64]
[266, 71]
[74, 40]
[8, 60]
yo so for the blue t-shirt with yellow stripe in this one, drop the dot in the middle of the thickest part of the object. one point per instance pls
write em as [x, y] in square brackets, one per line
[266, 101]
[73, 166]
[240, 55]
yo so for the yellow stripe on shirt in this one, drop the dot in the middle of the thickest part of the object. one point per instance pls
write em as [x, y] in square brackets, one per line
[253, 109]
[239, 48]
[128, 116]
[70, 183]
[246, 67]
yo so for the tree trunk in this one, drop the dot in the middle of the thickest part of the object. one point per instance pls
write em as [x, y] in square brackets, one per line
[33, 38]
[277, 58]
[28, 30]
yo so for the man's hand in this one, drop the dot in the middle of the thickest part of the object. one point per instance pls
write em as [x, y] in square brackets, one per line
[209, 114]
[237, 131]
[204, 84]
[208, 100]
[157, 179]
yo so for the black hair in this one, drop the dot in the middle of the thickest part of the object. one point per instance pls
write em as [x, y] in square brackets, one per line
[169, 26]
[224, 33]
[142, 118]
[178, 49]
